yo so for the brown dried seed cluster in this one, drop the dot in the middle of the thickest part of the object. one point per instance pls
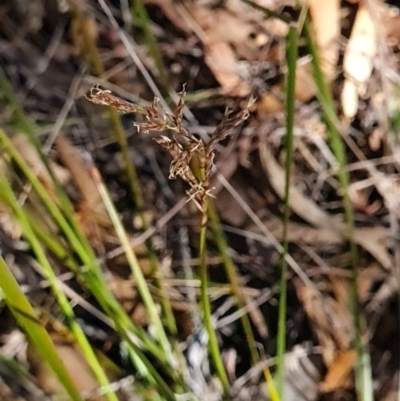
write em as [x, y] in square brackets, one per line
[181, 144]
[106, 98]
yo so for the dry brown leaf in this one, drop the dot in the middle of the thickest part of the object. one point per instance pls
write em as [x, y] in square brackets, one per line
[229, 209]
[326, 22]
[391, 25]
[214, 34]
[304, 89]
[218, 53]
[367, 277]
[232, 26]
[339, 371]
[218, 31]
[221, 60]
[74, 362]
[339, 287]
[331, 322]
[305, 86]
[123, 290]
[229, 34]
[80, 175]
[32, 158]
[358, 60]
[359, 197]
[388, 187]
[269, 103]
[171, 10]
[375, 138]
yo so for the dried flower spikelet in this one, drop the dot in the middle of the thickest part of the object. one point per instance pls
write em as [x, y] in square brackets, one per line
[182, 150]
[225, 126]
[178, 116]
[106, 98]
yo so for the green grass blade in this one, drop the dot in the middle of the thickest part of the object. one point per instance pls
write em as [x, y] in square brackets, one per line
[232, 275]
[364, 383]
[6, 91]
[141, 19]
[235, 288]
[206, 309]
[27, 319]
[134, 265]
[291, 59]
[9, 199]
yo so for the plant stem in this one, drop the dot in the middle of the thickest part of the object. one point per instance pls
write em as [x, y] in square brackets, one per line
[363, 366]
[233, 278]
[291, 58]
[206, 306]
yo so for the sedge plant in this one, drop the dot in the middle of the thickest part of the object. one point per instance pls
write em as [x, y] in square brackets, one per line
[192, 160]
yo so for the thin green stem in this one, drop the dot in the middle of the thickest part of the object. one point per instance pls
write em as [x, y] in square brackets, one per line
[206, 307]
[291, 59]
[233, 278]
[6, 91]
[363, 367]
[198, 169]
[143, 21]
[234, 281]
